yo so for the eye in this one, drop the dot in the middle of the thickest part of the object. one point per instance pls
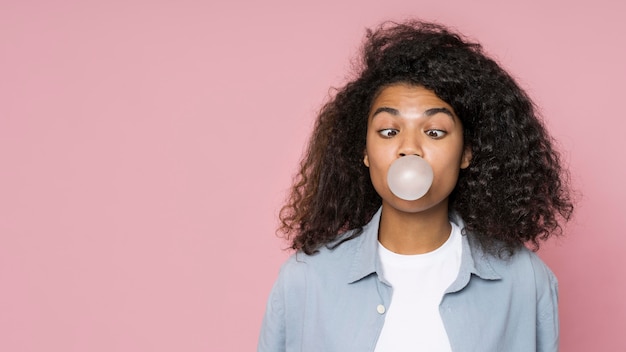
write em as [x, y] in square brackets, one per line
[435, 134]
[388, 132]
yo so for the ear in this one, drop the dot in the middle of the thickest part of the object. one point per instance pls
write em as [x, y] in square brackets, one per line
[466, 158]
[366, 160]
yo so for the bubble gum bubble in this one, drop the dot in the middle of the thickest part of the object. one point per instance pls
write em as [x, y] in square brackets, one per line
[410, 177]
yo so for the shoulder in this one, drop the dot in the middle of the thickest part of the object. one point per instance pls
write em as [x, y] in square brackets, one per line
[523, 270]
[329, 261]
[525, 261]
[517, 290]
[303, 281]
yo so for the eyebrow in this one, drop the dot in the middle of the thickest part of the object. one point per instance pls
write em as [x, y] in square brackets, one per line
[428, 113]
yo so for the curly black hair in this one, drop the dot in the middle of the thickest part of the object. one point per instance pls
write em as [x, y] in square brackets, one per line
[515, 190]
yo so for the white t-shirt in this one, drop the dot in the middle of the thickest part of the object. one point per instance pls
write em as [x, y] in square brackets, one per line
[413, 322]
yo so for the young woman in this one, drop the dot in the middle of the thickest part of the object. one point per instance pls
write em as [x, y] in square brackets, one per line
[449, 271]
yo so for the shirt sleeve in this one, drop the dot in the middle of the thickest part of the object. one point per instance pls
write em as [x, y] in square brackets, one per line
[272, 337]
[547, 308]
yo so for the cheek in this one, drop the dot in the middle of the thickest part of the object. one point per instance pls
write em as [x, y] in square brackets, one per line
[447, 178]
[374, 165]
[379, 166]
[446, 175]
[379, 160]
[379, 181]
[378, 170]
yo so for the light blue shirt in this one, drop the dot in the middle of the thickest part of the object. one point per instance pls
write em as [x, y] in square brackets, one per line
[336, 300]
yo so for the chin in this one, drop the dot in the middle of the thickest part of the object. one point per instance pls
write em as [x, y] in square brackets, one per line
[423, 204]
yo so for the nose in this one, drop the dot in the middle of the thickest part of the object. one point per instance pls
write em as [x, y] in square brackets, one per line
[410, 145]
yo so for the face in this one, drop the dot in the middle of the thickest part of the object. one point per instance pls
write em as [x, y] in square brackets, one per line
[405, 120]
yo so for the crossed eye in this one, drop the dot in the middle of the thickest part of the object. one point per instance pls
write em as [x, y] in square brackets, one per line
[388, 132]
[435, 133]
[391, 132]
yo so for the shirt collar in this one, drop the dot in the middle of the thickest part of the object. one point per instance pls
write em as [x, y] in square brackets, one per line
[473, 262]
[366, 261]
[473, 259]
[365, 258]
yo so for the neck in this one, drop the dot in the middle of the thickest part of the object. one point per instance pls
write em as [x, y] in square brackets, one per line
[414, 233]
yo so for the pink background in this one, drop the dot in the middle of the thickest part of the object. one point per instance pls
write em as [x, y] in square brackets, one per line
[146, 147]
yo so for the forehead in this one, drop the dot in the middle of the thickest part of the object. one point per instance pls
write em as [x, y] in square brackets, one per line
[407, 99]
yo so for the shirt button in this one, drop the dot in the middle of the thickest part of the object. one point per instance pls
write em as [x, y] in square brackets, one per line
[380, 309]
